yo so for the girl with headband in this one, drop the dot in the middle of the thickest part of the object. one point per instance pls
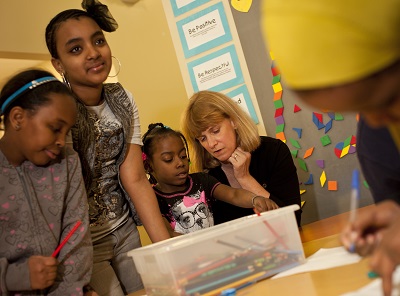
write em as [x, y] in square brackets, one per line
[42, 195]
[108, 139]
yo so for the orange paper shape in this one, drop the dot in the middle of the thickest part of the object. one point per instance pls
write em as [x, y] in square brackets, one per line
[281, 136]
[308, 152]
[332, 185]
[278, 96]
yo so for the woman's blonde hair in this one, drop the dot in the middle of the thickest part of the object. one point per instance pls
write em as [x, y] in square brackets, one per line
[209, 108]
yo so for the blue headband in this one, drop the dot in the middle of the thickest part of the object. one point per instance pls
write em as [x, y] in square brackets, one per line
[30, 85]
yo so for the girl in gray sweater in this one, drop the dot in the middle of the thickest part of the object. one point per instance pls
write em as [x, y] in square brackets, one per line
[42, 195]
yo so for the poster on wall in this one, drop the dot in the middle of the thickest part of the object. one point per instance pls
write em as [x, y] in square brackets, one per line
[241, 97]
[204, 30]
[209, 51]
[217, 71]
[181, 6]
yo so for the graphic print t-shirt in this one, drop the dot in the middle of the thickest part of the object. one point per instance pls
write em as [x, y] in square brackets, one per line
[191, 209]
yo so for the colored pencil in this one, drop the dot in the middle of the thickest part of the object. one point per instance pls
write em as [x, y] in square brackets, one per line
[65, 240]
[209, 286]
[354, 200]
[240, 284]
[212, 266]
[280, 240]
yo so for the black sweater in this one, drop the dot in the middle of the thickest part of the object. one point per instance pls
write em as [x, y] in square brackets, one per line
[272, 166]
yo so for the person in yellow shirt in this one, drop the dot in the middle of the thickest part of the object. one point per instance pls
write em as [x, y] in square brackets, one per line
[345, 56]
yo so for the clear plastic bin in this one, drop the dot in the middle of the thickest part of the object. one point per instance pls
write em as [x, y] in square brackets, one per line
[223, 256]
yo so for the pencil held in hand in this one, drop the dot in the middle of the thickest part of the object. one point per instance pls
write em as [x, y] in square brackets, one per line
[354, 201]
[65, 240]
[355, 195]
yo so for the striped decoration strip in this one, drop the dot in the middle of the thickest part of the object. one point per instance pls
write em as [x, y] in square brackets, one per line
[278, 102]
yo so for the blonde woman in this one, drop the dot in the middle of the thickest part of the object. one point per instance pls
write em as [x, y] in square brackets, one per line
[225, 142]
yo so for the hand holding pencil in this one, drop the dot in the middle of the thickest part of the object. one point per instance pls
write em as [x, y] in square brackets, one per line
[366, 230]
[376, 232]
[42, 271]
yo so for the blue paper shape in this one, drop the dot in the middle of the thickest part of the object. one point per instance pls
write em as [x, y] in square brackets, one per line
[339, 146]
[317, 123]
[310, 180]
[298, 131]
[328, 126]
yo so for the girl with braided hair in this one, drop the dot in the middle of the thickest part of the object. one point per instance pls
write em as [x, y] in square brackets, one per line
[186, 200]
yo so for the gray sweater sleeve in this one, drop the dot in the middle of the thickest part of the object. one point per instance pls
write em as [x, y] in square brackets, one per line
[13, 276]
[76, 257]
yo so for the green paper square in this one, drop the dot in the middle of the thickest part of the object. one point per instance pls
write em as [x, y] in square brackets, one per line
[325, 140]
[294, 153]
[276, 79]
[279, 128]
[278, 104]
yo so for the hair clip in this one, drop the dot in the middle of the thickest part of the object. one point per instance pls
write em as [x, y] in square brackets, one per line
[144, 156]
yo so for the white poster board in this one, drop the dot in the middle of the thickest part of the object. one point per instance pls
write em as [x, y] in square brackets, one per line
[209, 52]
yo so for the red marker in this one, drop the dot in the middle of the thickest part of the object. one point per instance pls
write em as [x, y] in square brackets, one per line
[56, 251]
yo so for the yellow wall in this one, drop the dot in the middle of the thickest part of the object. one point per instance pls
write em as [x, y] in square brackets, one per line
[142, 43]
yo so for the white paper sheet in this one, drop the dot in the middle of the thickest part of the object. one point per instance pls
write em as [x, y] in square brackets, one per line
[375, 288]
[323, 259]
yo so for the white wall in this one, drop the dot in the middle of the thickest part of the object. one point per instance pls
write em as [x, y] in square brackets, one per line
[142, 43]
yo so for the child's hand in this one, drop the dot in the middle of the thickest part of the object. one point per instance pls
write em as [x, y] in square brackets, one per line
[262, 204]
[364, 234]
[42, 271]
[175, 234]
[386, 256]
[363, 245]
[91, 293]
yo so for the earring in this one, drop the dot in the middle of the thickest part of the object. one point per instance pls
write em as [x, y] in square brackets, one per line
[17, 127]
[119, 67]
[65, 80]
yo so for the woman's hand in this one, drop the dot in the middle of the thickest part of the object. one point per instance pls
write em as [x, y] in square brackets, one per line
[240, 160]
